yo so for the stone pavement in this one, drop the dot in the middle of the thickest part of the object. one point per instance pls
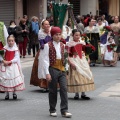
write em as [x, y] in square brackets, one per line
[32, 104]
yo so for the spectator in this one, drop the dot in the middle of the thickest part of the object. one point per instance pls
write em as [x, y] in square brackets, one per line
[80, 25]
[33, 35]
[12, 29]
[22, 37]
[27, 21]
[104, 21]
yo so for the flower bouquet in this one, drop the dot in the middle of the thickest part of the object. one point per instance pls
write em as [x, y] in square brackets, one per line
[85, 38]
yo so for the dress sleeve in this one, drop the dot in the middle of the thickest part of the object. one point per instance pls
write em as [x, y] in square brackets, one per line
[85, 30]
[5, 33]
[44, 56]
[41, 38]
[16, 58]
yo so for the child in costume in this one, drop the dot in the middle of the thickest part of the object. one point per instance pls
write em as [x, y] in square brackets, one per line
[54, 72]
[110, 52]
[80, 78]
[11, 76]
[106, 33]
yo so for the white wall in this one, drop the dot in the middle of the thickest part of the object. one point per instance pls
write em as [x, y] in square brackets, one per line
[65, 1]
[44, 8]
[18, 10]
[87, 6]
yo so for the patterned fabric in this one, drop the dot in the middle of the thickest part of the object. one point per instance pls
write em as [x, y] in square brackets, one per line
[2, 33]
[59, 13]
[81, 79]
[52, 53]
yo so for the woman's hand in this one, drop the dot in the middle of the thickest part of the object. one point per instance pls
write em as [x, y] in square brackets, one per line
[71, 64]
[73, 67]
[23, 31]
[48, 77]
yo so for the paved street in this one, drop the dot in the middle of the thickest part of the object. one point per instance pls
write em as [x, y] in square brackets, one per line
[32, 104]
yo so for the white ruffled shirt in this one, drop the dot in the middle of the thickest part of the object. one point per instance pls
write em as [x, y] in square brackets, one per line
[43, 65]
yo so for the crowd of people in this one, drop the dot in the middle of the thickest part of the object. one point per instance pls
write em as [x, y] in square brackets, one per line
[62, 56]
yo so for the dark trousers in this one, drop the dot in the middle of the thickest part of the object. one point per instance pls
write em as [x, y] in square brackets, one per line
[29, 49]
[37, 48]
[58, 77]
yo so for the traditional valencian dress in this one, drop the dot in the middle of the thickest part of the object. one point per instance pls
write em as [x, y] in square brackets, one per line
[109, 54]
[104, 37]
[34, 80]
[93, 35]
[116, 30]
[81, 79]
[11, 76]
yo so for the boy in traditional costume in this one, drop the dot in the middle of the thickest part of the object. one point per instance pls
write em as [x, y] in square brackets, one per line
[54, 72]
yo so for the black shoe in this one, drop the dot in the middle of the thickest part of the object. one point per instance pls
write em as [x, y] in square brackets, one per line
[14, 96]
[92, 64]
[2, 92]
[23, 56]
[45, 90]
[33, 55]
[84, 97]
[76, 97]
[7, 97]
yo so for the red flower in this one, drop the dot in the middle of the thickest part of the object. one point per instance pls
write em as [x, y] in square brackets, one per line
[63, 41]
[108, 28]
[92, 47]
[112, 45]
[83, 35]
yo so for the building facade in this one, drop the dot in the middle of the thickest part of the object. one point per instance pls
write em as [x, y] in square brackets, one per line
[15, 9]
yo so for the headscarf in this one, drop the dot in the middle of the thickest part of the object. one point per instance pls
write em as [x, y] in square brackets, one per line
[35, 27]
[55, 30]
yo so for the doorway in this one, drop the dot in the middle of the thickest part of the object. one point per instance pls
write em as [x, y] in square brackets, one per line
[103, 7]
[76, 6]
[24, 7]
